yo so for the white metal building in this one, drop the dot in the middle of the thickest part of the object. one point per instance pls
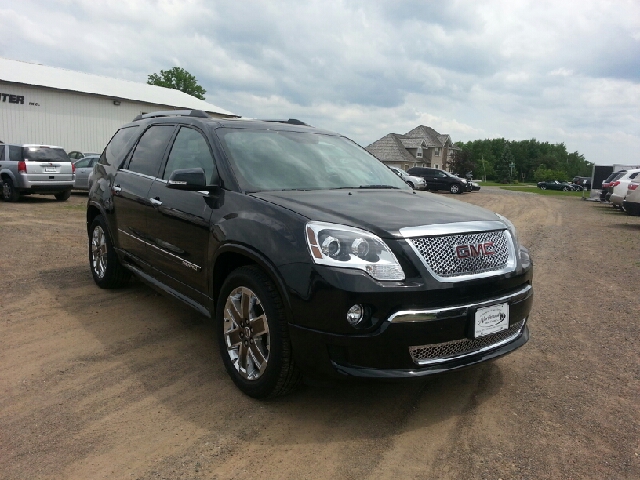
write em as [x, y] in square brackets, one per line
[77, 111]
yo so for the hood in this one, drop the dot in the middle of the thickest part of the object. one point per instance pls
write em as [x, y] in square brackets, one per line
[382, 212]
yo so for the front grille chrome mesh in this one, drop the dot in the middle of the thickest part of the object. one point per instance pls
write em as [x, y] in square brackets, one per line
[456, 348]
[455, 255]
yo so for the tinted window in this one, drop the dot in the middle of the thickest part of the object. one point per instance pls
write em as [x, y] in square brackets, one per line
[633, 175]
[1, 152]
[44, 154]
[114, 152]
[15, 153]
[190, 150]
[148, 154]
[84, 163]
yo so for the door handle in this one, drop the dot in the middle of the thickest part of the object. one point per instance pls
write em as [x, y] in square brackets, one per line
[155, 201]
[117, 188]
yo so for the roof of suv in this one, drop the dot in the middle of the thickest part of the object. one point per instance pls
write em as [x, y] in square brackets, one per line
[198, 116]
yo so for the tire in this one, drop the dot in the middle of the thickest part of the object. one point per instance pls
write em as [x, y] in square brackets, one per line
[63, 196]
[543, 187]
[455, 189]
[565, 189]
[9, 192]
[411, 185]
[260, 364]
[105, 266]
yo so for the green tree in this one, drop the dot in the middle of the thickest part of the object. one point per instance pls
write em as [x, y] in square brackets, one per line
[178, 79]
[461, 162]
[503, 166]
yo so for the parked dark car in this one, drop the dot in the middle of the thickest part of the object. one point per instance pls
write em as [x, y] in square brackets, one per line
[555, 185]
[583, 182]
[304, 271]
[440, 180]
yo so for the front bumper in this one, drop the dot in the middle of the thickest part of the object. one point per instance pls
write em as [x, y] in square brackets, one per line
[415, 343]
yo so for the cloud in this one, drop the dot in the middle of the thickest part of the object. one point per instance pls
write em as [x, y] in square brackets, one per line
[557, 71]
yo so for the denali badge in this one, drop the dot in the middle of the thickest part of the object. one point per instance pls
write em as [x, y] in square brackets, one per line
[478, 250]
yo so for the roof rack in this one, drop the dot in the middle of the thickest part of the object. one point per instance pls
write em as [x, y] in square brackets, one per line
[291, 121]
[173, 113]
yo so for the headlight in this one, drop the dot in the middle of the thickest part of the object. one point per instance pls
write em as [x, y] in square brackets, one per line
[512, 229]
[350, 247]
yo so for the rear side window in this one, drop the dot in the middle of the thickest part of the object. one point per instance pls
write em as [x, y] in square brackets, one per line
[633, 175]
[190, 150]
[15, 153]
[113, 154]
[44, 154]
[1, 152]
[84, 163]
[149, 152]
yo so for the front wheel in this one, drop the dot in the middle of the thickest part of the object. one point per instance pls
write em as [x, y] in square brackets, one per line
[253, 336]
[565, 189]
[543, 187]
[411, 185]
[105, 266]
[455, 188]
[9, 192]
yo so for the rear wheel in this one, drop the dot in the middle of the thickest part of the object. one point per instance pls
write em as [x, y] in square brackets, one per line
[106, 269]
[253, 336]
[565, 189]
[9, 192]
[63, 196]
[455, 188]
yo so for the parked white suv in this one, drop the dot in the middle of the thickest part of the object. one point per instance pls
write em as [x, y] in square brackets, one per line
[620, 187]
[631, 202]
[40, 169]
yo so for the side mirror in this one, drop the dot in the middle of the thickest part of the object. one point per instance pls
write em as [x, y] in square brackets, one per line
[189, 179]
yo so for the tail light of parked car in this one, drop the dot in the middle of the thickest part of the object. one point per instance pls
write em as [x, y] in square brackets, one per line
[73, 168]
[22, 166]
[632, 186]
[614, 184]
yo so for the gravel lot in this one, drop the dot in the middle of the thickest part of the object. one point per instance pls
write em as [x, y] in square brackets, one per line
[128, 383]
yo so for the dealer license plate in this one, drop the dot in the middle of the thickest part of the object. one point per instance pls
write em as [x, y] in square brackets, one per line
[491, 319]
[49, 169]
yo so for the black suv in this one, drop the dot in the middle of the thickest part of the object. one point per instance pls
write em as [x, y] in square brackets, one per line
[311, 255]
[440, 180]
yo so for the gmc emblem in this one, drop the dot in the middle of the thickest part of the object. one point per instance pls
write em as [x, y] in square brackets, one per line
[479, 250]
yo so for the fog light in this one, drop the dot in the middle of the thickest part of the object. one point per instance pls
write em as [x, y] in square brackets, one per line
[355, 314]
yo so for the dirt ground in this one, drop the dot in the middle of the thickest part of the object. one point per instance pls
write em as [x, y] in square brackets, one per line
[128, 384]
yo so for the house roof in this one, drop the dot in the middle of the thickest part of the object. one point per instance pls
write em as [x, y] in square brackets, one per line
[15, 71]
[430, 136]
[412, 142]
[390, 149]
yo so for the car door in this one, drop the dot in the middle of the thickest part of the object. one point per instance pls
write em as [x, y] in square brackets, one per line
[83, 168]
[179, 232]
[131, 186]
[440, 180]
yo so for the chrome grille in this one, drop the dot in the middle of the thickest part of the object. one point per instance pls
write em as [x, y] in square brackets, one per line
[441, 351]
[438, 253]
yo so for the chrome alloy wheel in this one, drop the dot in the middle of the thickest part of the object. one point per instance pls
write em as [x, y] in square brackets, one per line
[6, 190]
[246, 333]
[99, 252]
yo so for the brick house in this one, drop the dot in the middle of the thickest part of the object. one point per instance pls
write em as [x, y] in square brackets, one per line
[420, 147]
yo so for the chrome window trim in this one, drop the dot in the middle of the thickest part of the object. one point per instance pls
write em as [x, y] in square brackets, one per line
[143, 175]
[427, 315]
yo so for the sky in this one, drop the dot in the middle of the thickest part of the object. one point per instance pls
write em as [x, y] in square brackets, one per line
[558, 71]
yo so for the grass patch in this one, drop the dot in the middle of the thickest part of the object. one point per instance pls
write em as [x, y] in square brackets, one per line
[497, 184]
[557, 193]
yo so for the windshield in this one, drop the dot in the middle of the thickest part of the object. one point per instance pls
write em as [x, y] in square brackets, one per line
[45, 154]
[281, 160]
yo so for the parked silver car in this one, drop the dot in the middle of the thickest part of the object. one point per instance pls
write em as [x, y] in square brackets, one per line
[620, 187]
[40, 169]
[631, 201]
[84, 167]
[417, 183]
